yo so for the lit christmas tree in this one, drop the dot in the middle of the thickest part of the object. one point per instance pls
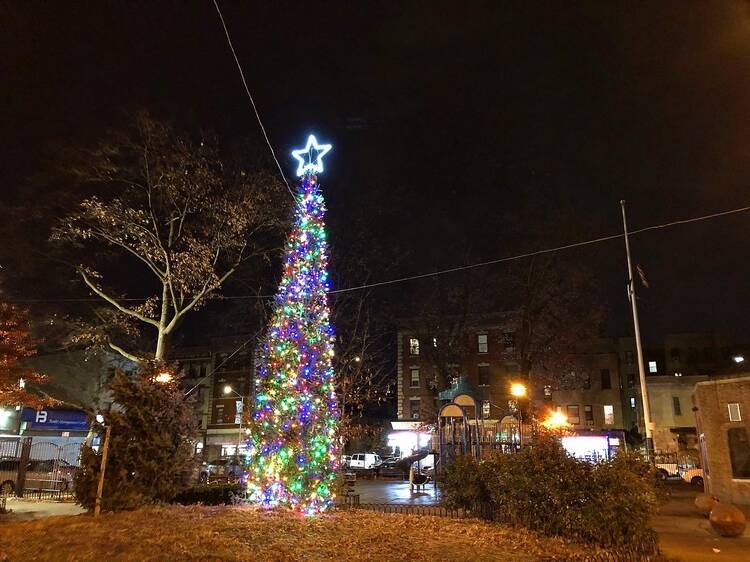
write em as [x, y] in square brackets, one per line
[293, 454]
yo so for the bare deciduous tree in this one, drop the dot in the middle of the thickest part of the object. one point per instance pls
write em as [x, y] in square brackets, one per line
[168, 205]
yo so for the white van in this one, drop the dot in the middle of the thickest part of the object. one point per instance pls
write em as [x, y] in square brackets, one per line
[364, 461]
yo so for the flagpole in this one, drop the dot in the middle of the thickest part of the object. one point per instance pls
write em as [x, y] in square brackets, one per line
[639, 348]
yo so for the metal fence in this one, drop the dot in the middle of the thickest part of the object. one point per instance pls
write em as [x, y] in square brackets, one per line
[37, 469]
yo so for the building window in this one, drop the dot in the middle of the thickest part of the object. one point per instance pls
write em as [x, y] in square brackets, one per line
[739, 452]
[574, 414]
[586, 381]
[734, 412]
[413, 346]
[588, 414]
[482, 343]
[434, 343]
[629, 357]
[631, 380]
[547, 390]
[486, 409]
[484, 375]
[632, 402]
[414, 383]
[676, 406]
[609, 414]
[509, 341]
[652, 367]
[414, 407]
[219, 413]
[606, 379]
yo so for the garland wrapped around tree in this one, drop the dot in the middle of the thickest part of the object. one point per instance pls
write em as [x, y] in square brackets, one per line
[292, 448]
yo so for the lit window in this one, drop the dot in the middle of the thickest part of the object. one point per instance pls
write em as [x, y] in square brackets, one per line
[609, 414]
[574, 414]
[548, 390]
[482, 343]
[588, 414]
[652, 367]
[734, 412]
[632, 402]
[414, 378]
[486, 409]
[414, 404]
[413, 346]
[676, 408]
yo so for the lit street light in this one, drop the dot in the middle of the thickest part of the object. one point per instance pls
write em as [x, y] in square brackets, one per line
[229, 390]
[555, 420]
[518, 390]
[164, 377]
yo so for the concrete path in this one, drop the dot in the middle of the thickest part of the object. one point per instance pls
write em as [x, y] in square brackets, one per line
[23, 509]
[687, 536]
[395, 491]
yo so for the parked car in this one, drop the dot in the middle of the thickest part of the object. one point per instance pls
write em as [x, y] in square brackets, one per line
[392, 468]
[226, 470]
[364, 461]
[692, 476]
[46, 475]
[666, 466]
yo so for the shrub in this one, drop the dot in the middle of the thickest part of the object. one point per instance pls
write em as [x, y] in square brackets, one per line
[211, 494]
[463, 486]
[544, 489]
[150, 458]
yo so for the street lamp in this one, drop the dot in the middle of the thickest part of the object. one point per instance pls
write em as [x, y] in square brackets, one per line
[555, 420]
[518, 391]
[229, 390]
[164, 377]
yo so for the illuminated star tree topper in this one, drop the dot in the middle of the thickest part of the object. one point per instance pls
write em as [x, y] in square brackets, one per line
[292, 447]
[310, 158]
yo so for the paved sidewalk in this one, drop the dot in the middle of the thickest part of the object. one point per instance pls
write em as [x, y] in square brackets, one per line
[396, 492]
[687, 536]
[24, 509]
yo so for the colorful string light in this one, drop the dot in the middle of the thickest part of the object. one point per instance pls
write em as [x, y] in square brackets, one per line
[292, 447]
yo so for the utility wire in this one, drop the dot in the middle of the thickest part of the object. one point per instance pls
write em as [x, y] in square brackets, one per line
[452, 269]
[252, 101]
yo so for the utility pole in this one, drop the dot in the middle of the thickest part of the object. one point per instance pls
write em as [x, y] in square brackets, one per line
[639, 348]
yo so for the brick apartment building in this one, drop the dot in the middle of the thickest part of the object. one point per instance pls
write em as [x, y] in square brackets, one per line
[225, 362]
[722, 411]
[607, 396]
[486, 369]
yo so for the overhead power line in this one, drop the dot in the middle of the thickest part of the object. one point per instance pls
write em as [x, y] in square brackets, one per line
[452, 269]
[252, 101]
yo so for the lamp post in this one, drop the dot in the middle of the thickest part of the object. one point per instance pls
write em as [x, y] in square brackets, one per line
[229, 390]
[518, 391]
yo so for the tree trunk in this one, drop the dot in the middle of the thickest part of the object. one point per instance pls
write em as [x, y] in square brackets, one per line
[161, 341]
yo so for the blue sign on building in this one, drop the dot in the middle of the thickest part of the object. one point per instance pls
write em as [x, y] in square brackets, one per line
[63, 420]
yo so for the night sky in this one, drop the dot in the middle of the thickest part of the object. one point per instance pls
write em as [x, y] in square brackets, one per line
[462, 131]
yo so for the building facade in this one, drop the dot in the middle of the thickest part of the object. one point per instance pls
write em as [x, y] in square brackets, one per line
[485, 369]
[722, 411]
[219, 377]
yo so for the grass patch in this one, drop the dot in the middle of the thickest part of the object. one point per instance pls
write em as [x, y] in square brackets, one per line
[229, 533]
